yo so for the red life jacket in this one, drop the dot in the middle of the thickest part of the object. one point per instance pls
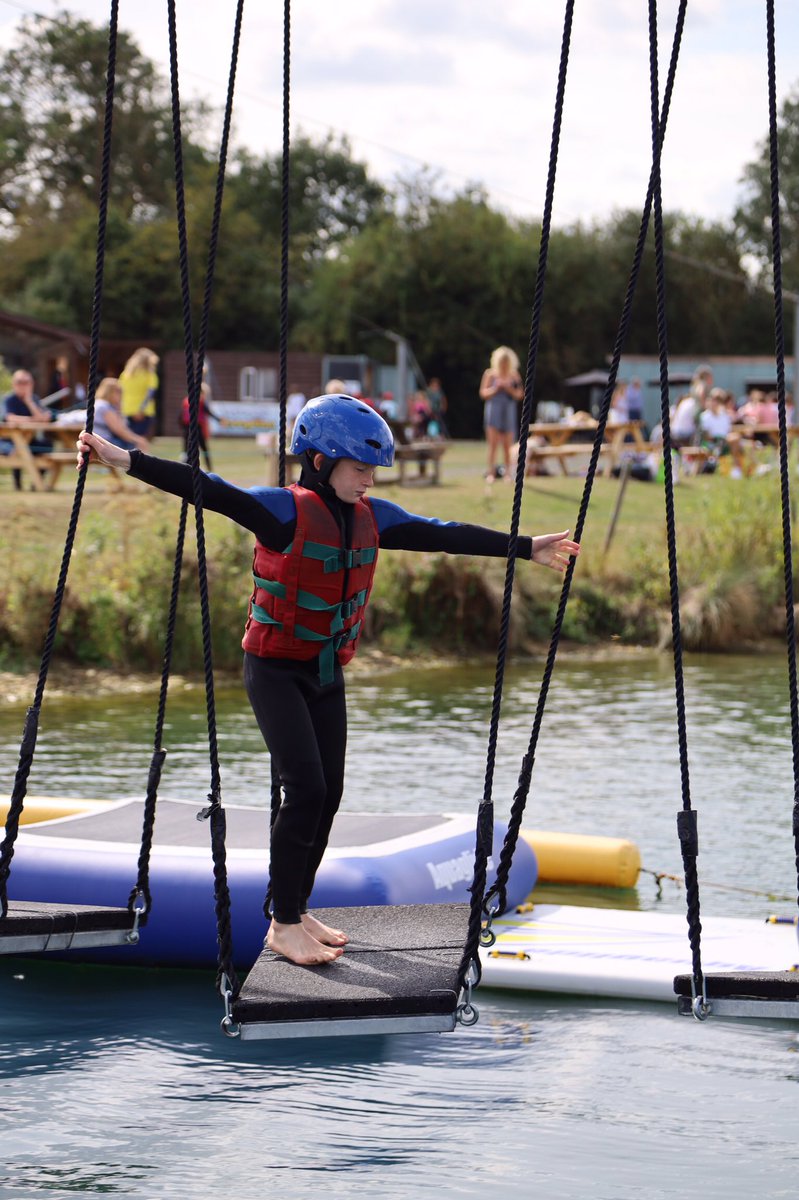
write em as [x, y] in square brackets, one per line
[298, 608]
[202, 416]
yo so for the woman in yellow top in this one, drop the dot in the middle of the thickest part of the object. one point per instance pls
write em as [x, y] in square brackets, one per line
[139, 385]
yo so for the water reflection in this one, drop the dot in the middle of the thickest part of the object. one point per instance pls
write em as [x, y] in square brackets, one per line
[116, 1081]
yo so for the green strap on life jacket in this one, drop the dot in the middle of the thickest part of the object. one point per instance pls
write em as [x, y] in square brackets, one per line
[340, 612]
[327, 652]
[334, 558]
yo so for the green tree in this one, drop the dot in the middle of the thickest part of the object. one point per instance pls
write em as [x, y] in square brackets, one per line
[331, 196]
[753, 215]
[451, 275]
[457, 279]
[51, 120]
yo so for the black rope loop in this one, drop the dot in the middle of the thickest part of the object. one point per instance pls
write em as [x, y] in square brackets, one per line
[142, 887]
[785, 487]
[17, 800]
[689, 843]
[285, 209]
[485, 820]
[276, 791]
[523, 787]
[194, 379]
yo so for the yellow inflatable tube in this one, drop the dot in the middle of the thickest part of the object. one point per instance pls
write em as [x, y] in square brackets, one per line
[48, 808]
[579, 859]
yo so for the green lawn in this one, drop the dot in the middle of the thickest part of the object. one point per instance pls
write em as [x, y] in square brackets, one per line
[729, 546]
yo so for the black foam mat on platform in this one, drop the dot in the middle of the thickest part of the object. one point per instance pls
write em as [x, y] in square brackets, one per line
[749, 985]
[766, 994]
[32, 926]
[401, 961]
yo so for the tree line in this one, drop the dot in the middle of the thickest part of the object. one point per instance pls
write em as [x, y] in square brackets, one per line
[450, 272]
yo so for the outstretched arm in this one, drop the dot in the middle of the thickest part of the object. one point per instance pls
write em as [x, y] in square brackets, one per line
[401, 530]
[269, 513]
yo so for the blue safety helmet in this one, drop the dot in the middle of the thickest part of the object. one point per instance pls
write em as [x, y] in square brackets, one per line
[343, 427]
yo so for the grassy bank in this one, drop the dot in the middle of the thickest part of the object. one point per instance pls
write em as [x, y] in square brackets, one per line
[115, 605]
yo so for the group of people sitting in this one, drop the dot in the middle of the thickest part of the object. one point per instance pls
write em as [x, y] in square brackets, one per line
[124, 410]
[711, 419]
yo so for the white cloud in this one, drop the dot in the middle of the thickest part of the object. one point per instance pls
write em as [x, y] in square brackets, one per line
[469, 88]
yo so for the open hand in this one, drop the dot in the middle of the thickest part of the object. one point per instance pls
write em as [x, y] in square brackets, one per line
[554, 550]
[101, 451]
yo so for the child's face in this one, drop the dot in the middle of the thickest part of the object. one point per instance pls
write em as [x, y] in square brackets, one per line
[350, 480]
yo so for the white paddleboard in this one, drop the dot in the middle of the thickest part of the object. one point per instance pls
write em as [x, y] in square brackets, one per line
[629, 955]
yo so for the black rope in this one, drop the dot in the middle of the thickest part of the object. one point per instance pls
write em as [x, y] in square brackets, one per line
[140, 896]
[141, 891]
[499, 888]
[485, 815]
[785, 487]
[214, 811]
[30, 732]
[285, 198]
[686, 820]
[276, 792]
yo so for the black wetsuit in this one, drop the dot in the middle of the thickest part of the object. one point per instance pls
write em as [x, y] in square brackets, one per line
[303, 722]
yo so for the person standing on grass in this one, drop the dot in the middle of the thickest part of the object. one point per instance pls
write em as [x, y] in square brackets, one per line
[316, 549]
[501, 389]
[139, 387]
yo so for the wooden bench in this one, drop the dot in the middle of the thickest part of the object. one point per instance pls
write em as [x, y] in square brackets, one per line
[58, 459]
[424, 454]
[49, 467]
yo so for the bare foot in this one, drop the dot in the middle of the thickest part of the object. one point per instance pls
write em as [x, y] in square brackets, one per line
[323, 933]
[296, 944]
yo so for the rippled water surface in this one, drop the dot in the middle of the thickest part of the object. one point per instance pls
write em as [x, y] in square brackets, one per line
[117, 1082]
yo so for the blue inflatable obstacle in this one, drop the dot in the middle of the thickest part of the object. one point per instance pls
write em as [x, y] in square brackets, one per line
[372, 859]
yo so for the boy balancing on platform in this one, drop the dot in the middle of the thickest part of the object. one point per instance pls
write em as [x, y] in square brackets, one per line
[315, 554]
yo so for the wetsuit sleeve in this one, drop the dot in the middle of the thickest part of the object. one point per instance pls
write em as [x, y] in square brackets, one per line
[269, 513]
[401, 530]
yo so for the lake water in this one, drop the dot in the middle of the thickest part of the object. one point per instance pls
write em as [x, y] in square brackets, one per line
[117, 1082]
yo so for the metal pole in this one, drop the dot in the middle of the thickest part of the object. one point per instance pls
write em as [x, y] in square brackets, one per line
[625, 475]
[402, 378]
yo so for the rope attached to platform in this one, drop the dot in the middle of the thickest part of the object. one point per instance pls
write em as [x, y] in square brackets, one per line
[31, 728]
[470, 964]
[499, 888]
[140, 895]
[785, 487]
[276, 791]
[214, 811]
[686, 819]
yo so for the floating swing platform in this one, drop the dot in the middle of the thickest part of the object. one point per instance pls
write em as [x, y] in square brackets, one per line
[398, 974]
[30, 927]
[87, 857]
[743, 994]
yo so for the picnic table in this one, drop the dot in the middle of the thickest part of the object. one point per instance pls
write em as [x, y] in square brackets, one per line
[741, 439]
[42, 470]
[559, 443]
